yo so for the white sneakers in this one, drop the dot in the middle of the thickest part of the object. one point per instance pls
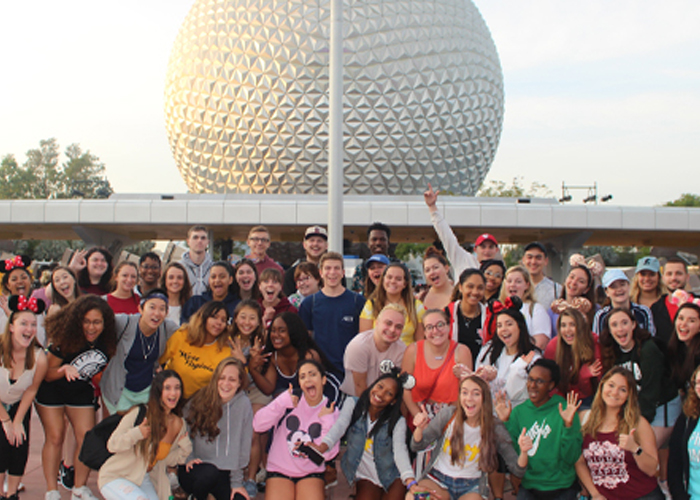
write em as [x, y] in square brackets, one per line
[52, 495]
[82, 493]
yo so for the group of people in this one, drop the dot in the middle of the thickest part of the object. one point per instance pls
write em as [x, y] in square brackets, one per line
[229, 376]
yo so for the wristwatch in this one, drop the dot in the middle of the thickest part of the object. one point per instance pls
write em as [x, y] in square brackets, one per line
[638, 451]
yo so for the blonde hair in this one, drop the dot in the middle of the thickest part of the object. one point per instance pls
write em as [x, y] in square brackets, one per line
[529, 296]
[629, 414]
[636, 291]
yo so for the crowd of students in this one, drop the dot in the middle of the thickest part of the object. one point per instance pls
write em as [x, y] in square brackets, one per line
[233, 379]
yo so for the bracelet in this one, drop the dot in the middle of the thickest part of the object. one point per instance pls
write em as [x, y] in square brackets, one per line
[411, 484]
[8, 420]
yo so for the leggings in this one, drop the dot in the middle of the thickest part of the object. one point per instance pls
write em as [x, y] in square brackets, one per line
[13, 459]
[121, 489]
[205, 479]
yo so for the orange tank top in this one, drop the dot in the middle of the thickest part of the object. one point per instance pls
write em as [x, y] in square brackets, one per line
[163, 450]
[447, 386]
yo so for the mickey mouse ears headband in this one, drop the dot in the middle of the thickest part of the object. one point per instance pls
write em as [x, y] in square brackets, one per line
[595, 267]
[17, 262]
[20, 303]
[405, 380]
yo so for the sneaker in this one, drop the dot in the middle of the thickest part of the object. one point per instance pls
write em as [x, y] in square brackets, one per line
[66, 476]
[664, 489]
[250, 487]
[173, 480]
[261, 475]
[83, 493]
[330, 476]
[52, 495]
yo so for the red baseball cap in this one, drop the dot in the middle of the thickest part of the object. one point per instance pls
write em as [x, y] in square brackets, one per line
[485, 237]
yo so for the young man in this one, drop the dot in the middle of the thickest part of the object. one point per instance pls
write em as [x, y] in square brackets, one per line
[315, 244]
[535, 260]
[259, 243]
[554, 428]
[617, 289]
[149, 273]
[197, 260]
[378, 235]
[368, 349]
[675, 276]
[332, 315]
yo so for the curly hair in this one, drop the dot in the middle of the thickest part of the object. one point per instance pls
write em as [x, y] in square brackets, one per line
[691, 405]
[629, 414]
[56, 296]
[157, 416]
[205, 408]
[186, 291]
[84, 277]
[197, 326]
[64, 330]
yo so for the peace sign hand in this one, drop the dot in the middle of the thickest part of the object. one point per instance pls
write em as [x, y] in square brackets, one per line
[421, 419]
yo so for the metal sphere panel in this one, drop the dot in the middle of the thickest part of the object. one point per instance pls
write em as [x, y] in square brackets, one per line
[246, 100]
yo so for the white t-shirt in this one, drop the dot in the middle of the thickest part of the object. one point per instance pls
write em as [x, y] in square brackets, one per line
[539, 321]
[472, 452]
[362, 356]
[367, 468]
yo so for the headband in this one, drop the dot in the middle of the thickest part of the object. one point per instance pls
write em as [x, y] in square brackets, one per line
[595, 267]
[494, 308]
[154, 295]
[17, 262]
[405, 380]
[20, 303]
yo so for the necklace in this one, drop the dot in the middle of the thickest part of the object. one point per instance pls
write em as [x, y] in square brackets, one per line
[146, 346]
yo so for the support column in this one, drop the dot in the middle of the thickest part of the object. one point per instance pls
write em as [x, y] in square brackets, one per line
[92, 237]
[560, 249]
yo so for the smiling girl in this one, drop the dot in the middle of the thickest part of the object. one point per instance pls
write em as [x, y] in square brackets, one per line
[437, 274]
[143, 452]
[221, 289]
[94, 270]
[23, 366]
[518, 283]
[297, 420]
[684, 345]
[245, 283]
[272, 299]
[64, 289]
[467, 313]
[176, 282]
[16, 280]
[123, 299]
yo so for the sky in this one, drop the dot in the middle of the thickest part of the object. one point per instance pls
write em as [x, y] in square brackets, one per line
[595, 91]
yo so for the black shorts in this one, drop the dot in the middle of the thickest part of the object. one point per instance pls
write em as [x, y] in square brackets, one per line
[295, 480]
[13, 459]
[79, 394]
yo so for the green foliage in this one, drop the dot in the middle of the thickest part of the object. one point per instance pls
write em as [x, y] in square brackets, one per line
[407, 251]
[685, 200]
[41, 177]
[141, 247]
[499, 189]
[618, 256]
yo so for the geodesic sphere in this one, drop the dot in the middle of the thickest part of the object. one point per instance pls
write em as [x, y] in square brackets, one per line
[246, 99]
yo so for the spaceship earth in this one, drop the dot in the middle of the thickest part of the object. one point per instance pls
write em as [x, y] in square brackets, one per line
[246, 101]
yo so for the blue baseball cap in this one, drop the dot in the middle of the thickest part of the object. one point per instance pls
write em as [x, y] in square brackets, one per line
[377, 257]
[648, 264]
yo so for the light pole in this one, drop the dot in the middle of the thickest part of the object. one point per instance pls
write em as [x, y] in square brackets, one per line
[335, 130]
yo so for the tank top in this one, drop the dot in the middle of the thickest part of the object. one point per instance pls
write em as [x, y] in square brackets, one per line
[11, 392]
[447, 386]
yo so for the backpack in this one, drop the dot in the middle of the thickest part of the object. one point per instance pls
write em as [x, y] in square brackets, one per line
[94, 452]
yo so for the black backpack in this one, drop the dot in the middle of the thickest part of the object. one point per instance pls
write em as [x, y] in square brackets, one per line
[94, 451]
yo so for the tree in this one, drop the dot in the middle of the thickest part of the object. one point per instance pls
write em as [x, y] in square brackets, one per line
[685, 200]
[499, 189]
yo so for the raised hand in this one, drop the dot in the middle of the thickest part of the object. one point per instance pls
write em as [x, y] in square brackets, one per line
[628, 442]
[528, 357]
[236, 349]
[524, 441]
[145, 428]
[596, 368]
[487, 373]
[503, 406]
[295, 399]
[326, 410]
[4, 306]
[78, 262]
[572, 406]
[430, 196]
[421, 419]
[461, 371]
[257, 357]
[69, 372]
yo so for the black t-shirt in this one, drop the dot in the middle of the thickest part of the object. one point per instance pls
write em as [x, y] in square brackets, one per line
[468, 331]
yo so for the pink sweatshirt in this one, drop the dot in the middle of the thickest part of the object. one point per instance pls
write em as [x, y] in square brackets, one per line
[301, 424]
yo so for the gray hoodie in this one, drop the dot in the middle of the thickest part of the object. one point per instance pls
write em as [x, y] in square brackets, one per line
[198, 274]
[230, 450]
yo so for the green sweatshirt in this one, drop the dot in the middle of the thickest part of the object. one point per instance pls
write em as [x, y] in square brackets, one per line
[555, 448]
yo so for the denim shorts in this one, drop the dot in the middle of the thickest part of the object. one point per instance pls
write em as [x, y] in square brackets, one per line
[667, 414]
[455, 486]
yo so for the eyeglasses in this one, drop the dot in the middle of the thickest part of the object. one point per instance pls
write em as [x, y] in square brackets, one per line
[537, 381]
[95, 323]
[491, 274]
[437, 326]
[150, 267]
[259, 240]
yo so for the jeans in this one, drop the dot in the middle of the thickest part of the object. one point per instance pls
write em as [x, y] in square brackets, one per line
[121, 489]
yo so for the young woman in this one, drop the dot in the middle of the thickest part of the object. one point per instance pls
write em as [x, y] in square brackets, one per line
[683, 473]
[288, 343]
[619, 457]
[684, 345]
[616, 286]
[220, 423]
[16, 280]
[176, 282]
[647, 285]
[437, 274]
[504, 360]
[221, 289]
[122, 299]
[578, 291]
[94, 270]
[245, 283]
[432, 362]
[141, 341]
[395, 288]
[64, 289]
[23, 366]
[518, 283]
[468, 440]
[374, 267]
[82, 339]
[142, 453]
[272, 299]
[577, 352]
[199, 346]
[296, 421]
[308, 281]
[376, 459]
[466, 312]
[493, 270]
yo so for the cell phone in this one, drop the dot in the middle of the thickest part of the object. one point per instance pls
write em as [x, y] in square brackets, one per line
[312, 453]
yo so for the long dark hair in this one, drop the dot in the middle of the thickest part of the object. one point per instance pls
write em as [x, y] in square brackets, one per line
[235, 287]
[589, 294]
[56, 297]
[389, 415]
[156, 415]
[525, 344]
[186, 291]
[683, 355]
[84, 276]
[609, 348]
[463, 277]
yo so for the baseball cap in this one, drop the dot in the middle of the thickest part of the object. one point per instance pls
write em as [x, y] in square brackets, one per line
[316, 231]
[377, 257]
[612, 275]
[648, 263]
[536, 244]
[485, 237]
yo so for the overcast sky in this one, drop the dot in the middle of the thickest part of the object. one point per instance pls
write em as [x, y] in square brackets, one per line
[595, 91]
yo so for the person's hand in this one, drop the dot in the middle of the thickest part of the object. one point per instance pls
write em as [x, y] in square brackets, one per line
[421, 419]
[257, 355]
[70, 372]
[268, 314]
[503, 406]
[4, 306]
[487, 373]
[430, 197]
[596, 368]
[461, 371]
[9, 429]
[320, 447]
[18, 430]
[524, 441]
[78, 262]
[417, 488]
[572, 406]
[145, 428]
[628, 442]
[240, 490]
[192, 463]
[598, 496]
[326, 410]
[236, 349]
[528, 357]
[295, 399]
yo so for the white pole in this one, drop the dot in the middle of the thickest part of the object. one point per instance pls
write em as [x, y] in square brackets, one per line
[335, 130]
